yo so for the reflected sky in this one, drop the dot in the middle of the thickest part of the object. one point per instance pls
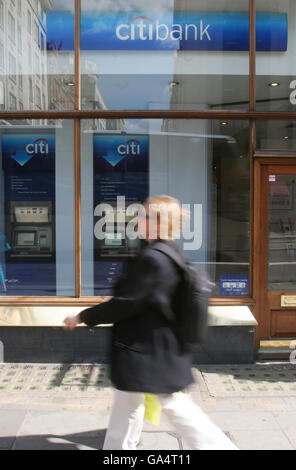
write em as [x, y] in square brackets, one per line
[137, 92]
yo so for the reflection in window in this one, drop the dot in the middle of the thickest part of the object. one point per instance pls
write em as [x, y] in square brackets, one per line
[12, 102]
[276, 135]
[168, 55]
[30, 57]
[12, 66]
[38, 97]
[1, 56]
[282, 240]
[30, 90]
[135, 159]
[1, 14]
[37, 65]
[41, 53]
[36, 32]
[37, 209]
[29, 21]
[2, 96]
[11, 27]
[275, 69]
[19, 37]
[20, 76]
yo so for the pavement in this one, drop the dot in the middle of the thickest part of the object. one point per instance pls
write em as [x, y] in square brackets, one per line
[67, 406]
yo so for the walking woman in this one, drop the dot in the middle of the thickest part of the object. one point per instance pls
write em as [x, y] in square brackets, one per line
[146, 354]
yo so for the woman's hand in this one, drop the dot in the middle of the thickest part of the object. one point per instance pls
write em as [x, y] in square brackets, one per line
[70, 323]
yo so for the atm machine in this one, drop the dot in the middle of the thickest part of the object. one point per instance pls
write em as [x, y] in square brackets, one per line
[115, 243]
[30, 230]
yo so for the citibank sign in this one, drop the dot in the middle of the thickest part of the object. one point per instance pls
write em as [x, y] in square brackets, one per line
[142, 28]
[191, 31]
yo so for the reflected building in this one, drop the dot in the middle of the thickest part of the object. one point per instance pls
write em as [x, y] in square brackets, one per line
[36, 73]
[23, 83]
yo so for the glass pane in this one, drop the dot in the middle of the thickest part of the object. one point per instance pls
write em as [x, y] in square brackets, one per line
[282, 233]
[204, 164]
[166, 54]
[37, 208]
[275, 64]
[36, 55]
[276, 135]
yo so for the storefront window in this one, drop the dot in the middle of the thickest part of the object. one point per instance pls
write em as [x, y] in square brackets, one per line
[275, 66]
[204, 164]
[37, 209]
[38, 45]
[165, 54]
[276, 135]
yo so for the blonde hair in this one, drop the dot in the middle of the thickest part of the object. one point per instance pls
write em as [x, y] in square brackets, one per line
[169, 213]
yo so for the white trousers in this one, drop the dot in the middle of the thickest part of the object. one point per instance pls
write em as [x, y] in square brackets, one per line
[191, 423]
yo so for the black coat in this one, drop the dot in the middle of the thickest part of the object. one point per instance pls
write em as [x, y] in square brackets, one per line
[146, 355]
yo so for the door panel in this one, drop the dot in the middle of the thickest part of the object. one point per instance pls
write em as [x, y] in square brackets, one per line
[283, 323]
[275, 247]
[282, 233]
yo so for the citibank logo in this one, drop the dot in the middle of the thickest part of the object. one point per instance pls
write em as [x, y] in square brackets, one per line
[38, 146]
[144, 28]
[132, 147]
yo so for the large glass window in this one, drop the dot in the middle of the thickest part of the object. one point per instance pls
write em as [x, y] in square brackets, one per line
[275, 65]
[204, 164]
[276, 135]
[33, 39]
[165, 54]
[37, 208]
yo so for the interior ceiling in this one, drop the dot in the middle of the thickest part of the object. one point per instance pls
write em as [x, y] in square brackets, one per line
[230, 90]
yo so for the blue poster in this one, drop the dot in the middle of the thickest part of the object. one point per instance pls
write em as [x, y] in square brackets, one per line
[29, 166]
[234, 285]
[121, 167]
[187, 31]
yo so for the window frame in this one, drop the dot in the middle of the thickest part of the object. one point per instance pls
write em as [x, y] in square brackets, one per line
[77, 114]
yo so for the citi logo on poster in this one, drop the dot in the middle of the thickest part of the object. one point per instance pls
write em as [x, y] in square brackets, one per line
[39, 146]
[146, 29]
[132, 147]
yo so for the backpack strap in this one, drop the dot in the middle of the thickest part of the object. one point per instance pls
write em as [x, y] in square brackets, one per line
[170, 252]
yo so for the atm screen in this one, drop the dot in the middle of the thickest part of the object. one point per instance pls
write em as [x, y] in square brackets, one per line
[113, 239]
[26, 238]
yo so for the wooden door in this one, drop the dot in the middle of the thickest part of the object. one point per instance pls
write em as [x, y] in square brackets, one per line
[275, 248]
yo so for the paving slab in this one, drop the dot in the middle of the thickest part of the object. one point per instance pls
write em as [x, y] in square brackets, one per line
[286, 420]
[258, 440]
[10, 423]
[160, 440]
[256, 421]
[63, 422]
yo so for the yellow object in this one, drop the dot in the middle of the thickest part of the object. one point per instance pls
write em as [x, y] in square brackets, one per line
[152, 409]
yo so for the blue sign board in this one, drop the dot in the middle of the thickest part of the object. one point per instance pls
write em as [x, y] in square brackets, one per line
[121, 167]
[188, 31]
[234, 285]
[29, 166]
[28, 152]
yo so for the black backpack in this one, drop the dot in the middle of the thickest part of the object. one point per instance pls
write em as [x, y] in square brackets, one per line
[192, 299]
